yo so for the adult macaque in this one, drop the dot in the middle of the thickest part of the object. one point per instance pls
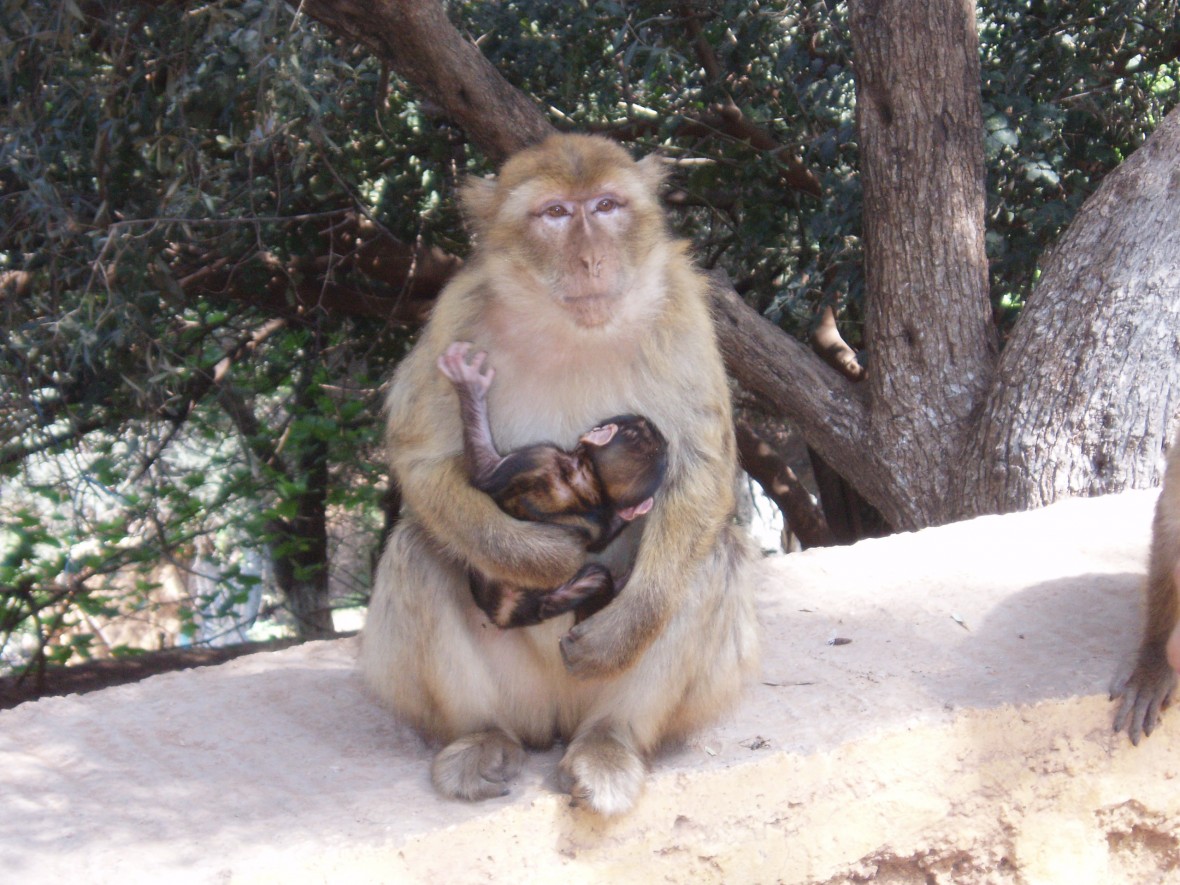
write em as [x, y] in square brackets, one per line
[606, 482]
[1150, 687]
[590, 309]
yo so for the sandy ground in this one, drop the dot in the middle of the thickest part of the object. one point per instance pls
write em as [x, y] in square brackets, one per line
[962, 735]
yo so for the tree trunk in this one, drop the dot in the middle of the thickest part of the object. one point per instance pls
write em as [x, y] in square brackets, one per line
[929, 333]
[300, 547]
[1089, 385]
[762, 453]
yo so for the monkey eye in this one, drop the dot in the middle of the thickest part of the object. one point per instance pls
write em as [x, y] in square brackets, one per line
[555, 210]
[606, 204]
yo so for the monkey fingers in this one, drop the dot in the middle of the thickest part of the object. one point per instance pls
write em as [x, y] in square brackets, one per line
[1145, 694]
[609, 642]
[453, 363]
[592, 587]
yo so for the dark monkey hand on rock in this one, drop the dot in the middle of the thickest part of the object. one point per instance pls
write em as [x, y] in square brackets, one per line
[589, 308]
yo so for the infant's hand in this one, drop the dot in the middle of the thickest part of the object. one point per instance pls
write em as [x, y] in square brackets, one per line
[453, 363]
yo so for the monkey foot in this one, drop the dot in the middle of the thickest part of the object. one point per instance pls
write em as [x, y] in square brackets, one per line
[477, 766]
[601, 773]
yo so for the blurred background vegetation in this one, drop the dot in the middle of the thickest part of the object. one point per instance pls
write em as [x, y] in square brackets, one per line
[213, 217]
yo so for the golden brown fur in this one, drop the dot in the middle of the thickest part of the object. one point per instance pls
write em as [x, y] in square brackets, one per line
[1150, 687]
[608, 319]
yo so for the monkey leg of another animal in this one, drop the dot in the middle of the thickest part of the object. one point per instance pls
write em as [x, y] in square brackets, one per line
[1172, 649]
[1151, 687]
[1146, 693]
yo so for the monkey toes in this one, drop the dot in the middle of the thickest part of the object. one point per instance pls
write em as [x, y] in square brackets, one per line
[601, 773]
[1142, 696]
[592, 581]
[477, 766]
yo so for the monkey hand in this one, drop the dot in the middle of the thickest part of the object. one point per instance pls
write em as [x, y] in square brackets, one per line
[1143, 696]
[608, 642]
[453, 363]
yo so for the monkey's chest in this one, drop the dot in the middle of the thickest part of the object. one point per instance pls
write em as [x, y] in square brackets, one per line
[557, 408]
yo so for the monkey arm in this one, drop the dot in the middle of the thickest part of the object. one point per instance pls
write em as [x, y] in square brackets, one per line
[424, 441]
[471, 384]
[479, 451]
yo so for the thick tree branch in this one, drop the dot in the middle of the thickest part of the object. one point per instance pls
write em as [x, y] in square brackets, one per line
[1086, 394]
[789, 380]
[417, 40]
[766, 466]
[928, 320]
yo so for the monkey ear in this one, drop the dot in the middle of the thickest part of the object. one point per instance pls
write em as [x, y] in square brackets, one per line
[477, 200]
[600, 435]
[654, 171]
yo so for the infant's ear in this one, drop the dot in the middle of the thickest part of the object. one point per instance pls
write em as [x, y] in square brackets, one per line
[600, 436]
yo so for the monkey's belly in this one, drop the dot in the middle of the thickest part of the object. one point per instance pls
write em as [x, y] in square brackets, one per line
[538, 700]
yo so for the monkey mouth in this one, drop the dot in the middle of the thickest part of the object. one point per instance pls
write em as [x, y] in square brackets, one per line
[591, 308]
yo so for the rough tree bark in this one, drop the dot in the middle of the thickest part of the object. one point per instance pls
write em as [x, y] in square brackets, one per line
[1089, 384]
[929, 333]
[942, 428]
[762, 455]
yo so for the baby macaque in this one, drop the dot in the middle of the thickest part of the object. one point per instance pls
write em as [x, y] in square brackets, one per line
[1151, 687]
[596, 489]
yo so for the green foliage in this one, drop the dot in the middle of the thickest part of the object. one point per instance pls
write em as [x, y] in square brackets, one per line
[1068, 93]
[174, 181]
[140, 147]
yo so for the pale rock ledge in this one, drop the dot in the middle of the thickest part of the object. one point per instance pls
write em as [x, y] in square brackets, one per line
[963, 735]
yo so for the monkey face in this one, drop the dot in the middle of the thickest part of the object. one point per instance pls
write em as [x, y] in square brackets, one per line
[578, 215]
[632, 460]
